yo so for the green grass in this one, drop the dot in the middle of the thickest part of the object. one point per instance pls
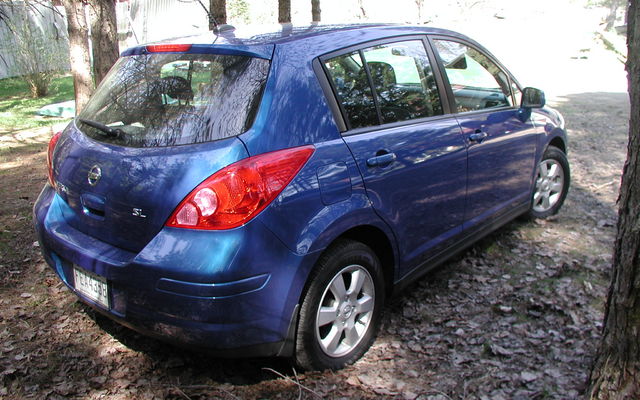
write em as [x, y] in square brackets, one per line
[18, 108]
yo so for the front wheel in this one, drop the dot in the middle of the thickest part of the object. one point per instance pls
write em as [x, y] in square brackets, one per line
[551, 183]
[341, 309]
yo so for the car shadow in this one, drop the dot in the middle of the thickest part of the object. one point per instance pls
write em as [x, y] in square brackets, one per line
[190, 363]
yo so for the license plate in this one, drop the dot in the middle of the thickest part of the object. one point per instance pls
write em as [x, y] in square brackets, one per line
[92, 286]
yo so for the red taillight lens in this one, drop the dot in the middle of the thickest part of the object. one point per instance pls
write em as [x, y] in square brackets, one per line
[238, 192]
[168, 48]
[52, 147]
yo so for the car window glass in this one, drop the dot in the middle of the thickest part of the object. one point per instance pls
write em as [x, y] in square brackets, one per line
[403, 80]
[477, 82]
[352, 88]
[193, 76]
[517, 93]
[166, 99]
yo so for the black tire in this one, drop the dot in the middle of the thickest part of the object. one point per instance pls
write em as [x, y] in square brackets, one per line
[345, 262]
[551, 184]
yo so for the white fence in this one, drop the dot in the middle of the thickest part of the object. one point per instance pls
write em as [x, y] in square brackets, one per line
[139, 21]
[142, 21]
[46, 27]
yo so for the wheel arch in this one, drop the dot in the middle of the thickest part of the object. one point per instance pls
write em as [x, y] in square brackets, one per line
[377, 240]
[559, 143]
[381, 245]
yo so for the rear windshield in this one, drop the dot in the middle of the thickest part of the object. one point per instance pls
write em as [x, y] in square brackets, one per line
[166, 99]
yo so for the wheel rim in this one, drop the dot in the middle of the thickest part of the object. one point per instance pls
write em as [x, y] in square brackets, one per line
[549, 185]
[345, 311]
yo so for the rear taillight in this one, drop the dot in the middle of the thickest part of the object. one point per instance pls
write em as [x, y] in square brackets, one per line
[168, 48]
[238, 192]
[50, 150]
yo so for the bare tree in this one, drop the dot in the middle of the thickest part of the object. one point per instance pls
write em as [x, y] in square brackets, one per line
[4, 15]
[4, 18]
[38, 48]
[315, 10]
[218, 10]
[362, 10]
[616, 370]
[78, 29]
[239, 11]
[420, 5]
[613, 7]
[284, 11]
[104, 37]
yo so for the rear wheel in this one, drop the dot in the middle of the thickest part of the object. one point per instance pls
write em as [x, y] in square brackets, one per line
[341, 309]
[551, 184]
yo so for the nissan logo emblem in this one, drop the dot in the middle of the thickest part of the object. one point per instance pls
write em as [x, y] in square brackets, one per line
[94, 175]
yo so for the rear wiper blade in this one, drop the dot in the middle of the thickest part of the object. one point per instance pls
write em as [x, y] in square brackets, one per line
[110, 132]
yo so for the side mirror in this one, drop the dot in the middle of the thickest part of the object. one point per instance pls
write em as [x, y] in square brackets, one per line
[532, 98]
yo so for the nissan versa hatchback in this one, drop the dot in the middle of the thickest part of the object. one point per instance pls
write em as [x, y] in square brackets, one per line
[263, 194]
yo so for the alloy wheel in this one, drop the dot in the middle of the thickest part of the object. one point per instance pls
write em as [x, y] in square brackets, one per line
[549, 185]
[345, 311]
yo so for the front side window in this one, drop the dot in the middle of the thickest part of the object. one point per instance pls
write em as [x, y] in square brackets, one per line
[477, 82]
[384, 84]
[165, 99]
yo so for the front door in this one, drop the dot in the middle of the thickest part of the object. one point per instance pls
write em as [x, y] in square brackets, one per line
[412, 157]
[502, 142]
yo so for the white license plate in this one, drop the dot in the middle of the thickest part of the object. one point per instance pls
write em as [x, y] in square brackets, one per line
[92, 286]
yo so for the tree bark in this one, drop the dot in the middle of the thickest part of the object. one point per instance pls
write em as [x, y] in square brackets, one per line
[284, 11]
[218, 10]
[104, 37]
[315, 10]
[616, 370]
[79, 51]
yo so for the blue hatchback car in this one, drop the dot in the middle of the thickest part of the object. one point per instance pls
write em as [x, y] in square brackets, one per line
[262, 194]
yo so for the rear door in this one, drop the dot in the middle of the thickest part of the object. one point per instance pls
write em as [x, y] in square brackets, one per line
[501, 140]
[410, 153]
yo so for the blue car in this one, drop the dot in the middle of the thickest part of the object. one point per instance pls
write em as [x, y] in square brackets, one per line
[263, 194]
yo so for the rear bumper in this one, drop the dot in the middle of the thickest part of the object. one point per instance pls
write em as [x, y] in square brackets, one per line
[233, 292]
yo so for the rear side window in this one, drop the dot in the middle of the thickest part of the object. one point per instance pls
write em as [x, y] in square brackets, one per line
[353, 90]
[477, 82]
[385, 83]
[164, 99]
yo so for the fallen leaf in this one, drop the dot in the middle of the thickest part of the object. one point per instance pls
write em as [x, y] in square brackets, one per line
[528, 376]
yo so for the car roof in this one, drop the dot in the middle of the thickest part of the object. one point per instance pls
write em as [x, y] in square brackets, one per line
[264, 37]
[284, 33]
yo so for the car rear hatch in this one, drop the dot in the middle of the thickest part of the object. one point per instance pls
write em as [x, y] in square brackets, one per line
[162, 121]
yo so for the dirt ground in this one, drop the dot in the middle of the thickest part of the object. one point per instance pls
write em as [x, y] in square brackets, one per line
[517, 316]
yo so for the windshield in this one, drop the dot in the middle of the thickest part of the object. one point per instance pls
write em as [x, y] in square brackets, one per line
[164, 99]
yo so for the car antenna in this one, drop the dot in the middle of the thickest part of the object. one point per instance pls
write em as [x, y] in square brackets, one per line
[212, 20]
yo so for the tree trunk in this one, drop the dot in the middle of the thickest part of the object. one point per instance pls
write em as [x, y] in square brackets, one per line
[616, 370]
[284, 11]
[315, 10]
[218, 10]
[79, 51]
[104, 37]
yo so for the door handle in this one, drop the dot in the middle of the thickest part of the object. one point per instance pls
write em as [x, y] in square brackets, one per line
[478, 136]
[381, 160]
